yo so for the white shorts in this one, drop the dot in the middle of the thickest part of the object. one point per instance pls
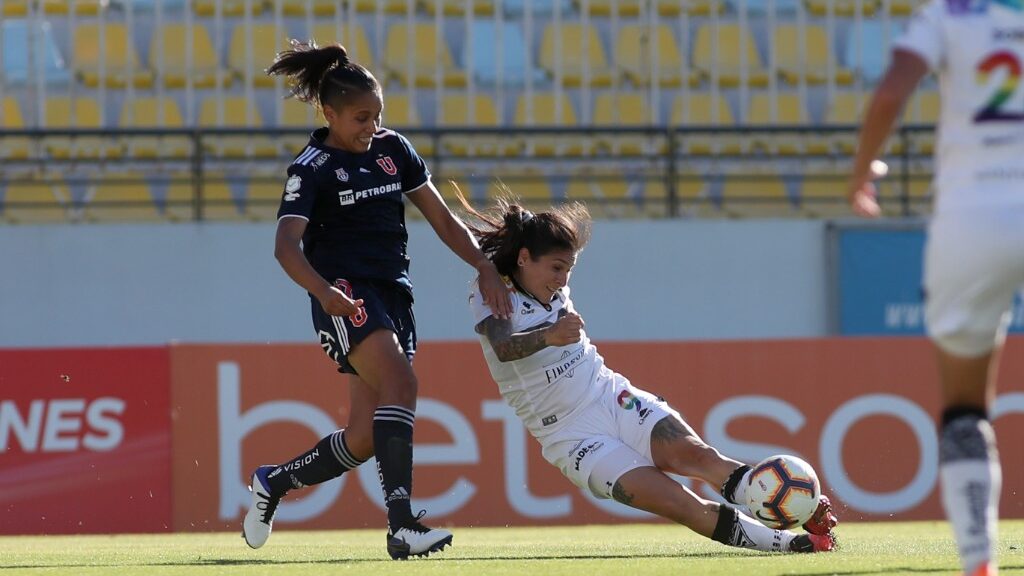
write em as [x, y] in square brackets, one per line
[974, 263]
[608, 438]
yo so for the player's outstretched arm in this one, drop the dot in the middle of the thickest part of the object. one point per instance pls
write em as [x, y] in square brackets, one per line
[509, 346]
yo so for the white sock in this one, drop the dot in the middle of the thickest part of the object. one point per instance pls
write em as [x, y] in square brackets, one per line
[971, 480]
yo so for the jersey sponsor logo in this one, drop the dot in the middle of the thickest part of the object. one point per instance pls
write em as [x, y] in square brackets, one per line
[564, 366]
[341, 174]
[527, 309]
[291, 188]
[305, 461]
[346, 197]
[629, 402]
[549, 420]
[387, 165]
[320, 160]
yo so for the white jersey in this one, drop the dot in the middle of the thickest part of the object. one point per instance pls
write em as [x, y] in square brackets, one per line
[549, 386]
[977, 49]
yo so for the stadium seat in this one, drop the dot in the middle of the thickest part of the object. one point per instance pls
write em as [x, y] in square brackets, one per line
[296, 114]
[121, 196]
[756, 196]
[844, 8]
[146, 112]
[788, 110]
[824, 196]
[704, 7]
[253, 49]
[35, 201]
[693, 194]
[923, 108]
[626, 109]
[631, 8]
[867, 49]
[303, 7]
[809, 61]
[235, 112]
[544, 113]
[117, 59]
[17, 69]
[728, 62]
[634, 51]
[458, 7]
[919, 195]
[13, 148]
[357, 46]
[700, 109]
[218, 199]
[228, 8]
[63, 113]
[456, 110]
[14, 9]
[581, 55]
[400, 113]
[388, 6]
[204, 69]
[903, 7]
[530, 186]
[263, 197]
[414, 55]
[608, 195]
[515, 67]
[79, 7]
[845, 108]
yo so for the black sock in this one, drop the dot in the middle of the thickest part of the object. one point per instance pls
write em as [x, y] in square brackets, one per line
[729, 488]
[724, 528]
[392, 445]
[330, 458]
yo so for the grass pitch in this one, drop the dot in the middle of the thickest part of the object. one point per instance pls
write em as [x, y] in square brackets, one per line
[634, 550]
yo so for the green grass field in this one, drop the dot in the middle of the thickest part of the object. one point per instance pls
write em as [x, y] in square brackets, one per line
[634, 550]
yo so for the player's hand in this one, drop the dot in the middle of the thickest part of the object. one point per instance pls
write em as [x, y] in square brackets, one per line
[567, 330]
[495, 291]
[336, 303]
[862, 193]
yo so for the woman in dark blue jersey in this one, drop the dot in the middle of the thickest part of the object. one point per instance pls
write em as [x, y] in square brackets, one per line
[341, 235]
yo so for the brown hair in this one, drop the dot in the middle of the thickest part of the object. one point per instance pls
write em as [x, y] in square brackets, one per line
[323, 76]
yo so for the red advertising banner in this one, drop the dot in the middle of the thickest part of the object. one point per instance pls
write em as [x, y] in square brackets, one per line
[84, 441]
[862, 411]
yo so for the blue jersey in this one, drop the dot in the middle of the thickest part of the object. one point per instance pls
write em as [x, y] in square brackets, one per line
[353, 203]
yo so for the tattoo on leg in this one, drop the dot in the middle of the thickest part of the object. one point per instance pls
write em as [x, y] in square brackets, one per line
[668, 429]
[619, 494]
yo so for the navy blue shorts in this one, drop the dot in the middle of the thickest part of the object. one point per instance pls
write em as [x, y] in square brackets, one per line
[385, 305]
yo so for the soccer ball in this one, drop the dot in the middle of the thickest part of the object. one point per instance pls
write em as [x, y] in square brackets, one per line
[783, 492]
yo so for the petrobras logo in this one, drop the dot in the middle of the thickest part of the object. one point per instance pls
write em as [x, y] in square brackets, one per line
[346, 197]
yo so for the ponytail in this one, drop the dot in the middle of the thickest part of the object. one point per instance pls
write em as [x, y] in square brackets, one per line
[324, 76]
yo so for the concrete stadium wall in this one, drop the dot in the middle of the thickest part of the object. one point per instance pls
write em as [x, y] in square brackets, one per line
[106, 285]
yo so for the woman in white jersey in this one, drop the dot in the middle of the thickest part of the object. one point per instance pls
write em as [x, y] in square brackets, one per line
[974, 260]
[605, 435]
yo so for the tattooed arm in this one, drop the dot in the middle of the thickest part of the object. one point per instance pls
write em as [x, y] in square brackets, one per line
[510, 346]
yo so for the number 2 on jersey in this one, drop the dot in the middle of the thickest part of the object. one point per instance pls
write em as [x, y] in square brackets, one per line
[993, 109]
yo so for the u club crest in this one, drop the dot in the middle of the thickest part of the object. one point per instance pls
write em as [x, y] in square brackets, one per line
[388, 165]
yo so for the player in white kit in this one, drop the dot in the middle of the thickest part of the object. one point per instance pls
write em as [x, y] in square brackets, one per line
[605, 435]
[974, 259]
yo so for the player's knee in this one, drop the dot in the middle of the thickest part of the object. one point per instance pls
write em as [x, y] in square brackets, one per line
[965, 344]
[359, 440]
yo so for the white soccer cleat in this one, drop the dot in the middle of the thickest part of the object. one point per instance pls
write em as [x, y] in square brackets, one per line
[415, 539]
[259, 520]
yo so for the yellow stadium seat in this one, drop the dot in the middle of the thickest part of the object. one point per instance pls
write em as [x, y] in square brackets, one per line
[919, 195]
[700, 109]
[218, 201]
[254, 50]
[79, 7]
[545, 113]
[235, 112]
[924, 108]
[824, 197]
[263, 198]
[388, 6]
[728, 62]
[35, 201]
[845, 108]
[122, 196]
[117, 57]
[581, 48]
[419, 51]
[666, 8]
[626, 109]
[693, 195]
[458, 7]
[845, 8]
[903, 7]
[171, 40]
[14, 9]
[146, 112]
[529, 186]
[698, 7]
[634, 52]
[10, 147]
[60, 113]
[809, 61]
[756, 196]
[399, 112]
[788, 110]
[357, 46]
[607, 195]
[457, 111]
[228, 8]
[303, 7]
[296, 114]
